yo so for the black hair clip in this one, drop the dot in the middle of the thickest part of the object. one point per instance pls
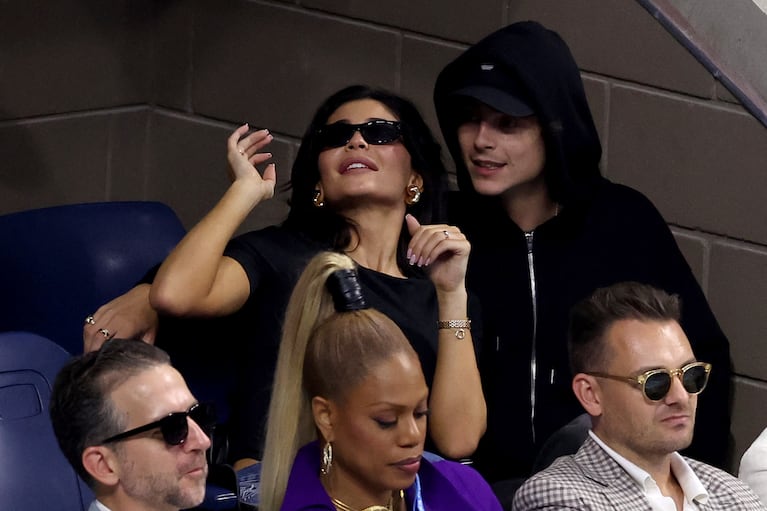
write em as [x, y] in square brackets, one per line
[346, 291]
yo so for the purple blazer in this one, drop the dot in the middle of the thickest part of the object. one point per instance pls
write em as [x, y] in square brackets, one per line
[445, 485]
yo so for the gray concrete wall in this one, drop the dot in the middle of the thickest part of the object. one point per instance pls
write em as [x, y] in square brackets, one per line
[133, 99]
[730, 38]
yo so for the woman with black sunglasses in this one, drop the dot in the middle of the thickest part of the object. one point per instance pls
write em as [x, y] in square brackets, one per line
[367, 175]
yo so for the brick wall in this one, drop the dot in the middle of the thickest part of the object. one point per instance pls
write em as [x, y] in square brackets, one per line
[133, 99]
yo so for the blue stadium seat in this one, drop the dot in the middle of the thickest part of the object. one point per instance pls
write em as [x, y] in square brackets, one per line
[33, 472]
[59, 264]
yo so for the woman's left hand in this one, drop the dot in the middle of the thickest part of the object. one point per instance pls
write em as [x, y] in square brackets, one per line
[456, 389]
[443, 249]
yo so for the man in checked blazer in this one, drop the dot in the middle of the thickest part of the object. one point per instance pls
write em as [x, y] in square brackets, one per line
[636, 376]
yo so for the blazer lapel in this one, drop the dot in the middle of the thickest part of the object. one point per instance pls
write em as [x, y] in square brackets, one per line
[618, 488]
[437, 491]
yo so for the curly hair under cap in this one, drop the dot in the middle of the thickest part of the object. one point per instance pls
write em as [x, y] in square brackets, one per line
[540, 69]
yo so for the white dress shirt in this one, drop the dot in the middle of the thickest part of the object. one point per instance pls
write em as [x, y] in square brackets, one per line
[98, 506]
[694, 491]
[753, 467]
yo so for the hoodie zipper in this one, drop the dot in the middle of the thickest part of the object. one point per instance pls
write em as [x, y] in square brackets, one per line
[533, 357]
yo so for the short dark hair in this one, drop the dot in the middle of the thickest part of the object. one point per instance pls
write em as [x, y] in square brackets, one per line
[325, 224]
[591, 317]
[81, 412]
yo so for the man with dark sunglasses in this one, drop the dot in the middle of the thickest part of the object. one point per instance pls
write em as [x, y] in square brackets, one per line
[638, 379]
[131, 428]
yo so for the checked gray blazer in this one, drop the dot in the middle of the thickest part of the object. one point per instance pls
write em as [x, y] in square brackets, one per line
[591, 480]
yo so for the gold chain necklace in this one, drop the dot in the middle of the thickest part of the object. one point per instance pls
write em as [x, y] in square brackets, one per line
[342, 506]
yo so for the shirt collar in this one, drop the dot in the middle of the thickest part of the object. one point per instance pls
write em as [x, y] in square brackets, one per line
[98, 506]
[693, 489]
[688, 480]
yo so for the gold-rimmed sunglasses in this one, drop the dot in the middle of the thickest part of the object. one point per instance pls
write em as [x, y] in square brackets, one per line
[656, 383]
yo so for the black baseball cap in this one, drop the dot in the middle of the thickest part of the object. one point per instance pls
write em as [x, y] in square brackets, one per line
[488, 83]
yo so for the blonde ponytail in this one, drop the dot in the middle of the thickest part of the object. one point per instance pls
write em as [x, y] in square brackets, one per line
[290, 423]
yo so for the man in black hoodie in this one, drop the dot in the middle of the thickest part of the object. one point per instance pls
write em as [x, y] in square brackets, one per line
[546, 230]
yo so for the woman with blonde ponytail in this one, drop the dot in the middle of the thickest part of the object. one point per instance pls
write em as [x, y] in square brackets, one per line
[289, 423]
[347, 418]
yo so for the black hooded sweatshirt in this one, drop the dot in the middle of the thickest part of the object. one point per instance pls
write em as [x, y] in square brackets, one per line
[527, 282]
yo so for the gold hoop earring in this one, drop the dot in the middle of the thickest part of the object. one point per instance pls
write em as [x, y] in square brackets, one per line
[327, 459]
[413, 194]
[319, 198]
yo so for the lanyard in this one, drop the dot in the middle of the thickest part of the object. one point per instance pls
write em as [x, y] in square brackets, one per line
[418, 497]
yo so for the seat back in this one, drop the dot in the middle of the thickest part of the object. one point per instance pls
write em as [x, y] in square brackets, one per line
[564, 441]
[60, 264]
[33, 471]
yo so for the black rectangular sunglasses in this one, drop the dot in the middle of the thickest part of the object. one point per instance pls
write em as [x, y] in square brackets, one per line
[376, 132]
[174, 426]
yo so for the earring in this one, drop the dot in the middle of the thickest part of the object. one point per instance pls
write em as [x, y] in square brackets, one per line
[319, 198]
[413, 194]
[327, 459]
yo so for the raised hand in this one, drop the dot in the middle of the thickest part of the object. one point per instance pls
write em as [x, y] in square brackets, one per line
[443, 249]
[243, 154]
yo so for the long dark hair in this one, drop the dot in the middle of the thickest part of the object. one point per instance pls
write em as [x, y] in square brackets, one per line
[332, 229]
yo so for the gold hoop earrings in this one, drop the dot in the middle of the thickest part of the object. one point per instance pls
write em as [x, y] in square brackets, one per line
[327, 459]
[413, 194]
[319, 198]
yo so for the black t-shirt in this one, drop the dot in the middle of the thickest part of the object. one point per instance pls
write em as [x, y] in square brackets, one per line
[273, 258]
